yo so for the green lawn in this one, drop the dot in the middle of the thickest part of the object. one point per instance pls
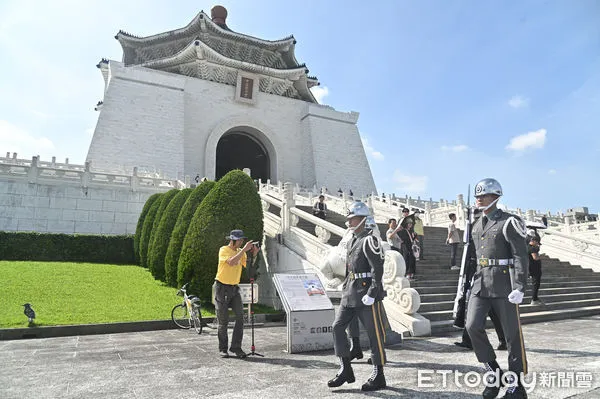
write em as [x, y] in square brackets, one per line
[84, 293]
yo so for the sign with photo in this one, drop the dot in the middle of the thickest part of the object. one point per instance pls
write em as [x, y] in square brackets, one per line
[309, 310]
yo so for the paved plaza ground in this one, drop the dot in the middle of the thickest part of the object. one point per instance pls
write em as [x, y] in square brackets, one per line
[182, 364]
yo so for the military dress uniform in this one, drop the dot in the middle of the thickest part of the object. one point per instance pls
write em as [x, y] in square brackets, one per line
[362, 293]
[363, 277]
[502, 266]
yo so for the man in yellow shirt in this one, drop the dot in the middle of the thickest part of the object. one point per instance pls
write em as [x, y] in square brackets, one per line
[232, 258]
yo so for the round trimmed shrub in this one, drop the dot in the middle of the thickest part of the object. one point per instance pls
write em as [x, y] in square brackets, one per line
[166, 200]
[138, 229]
[160, 243]
[147, 229]
[181, 228]
[232, 204]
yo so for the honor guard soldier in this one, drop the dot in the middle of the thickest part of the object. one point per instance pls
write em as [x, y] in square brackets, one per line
[362, 294]
[499, 284]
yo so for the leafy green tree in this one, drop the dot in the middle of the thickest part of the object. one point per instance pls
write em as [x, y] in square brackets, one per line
[181, 228]
[232, 204]
[138, 230]
[160, 243]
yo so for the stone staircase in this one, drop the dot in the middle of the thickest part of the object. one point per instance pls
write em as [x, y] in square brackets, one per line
[567, 290]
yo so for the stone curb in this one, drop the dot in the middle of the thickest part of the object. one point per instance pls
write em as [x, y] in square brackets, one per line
[112, 328]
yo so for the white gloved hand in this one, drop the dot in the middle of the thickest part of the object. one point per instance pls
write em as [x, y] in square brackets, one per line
[367, 300]
[516, 297]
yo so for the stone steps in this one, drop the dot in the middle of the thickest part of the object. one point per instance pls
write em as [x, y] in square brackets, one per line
[444, 326]
[567, 290]
[545, 292]
[545, 287]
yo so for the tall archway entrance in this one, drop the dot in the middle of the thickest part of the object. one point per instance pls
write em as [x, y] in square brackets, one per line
[239, 150]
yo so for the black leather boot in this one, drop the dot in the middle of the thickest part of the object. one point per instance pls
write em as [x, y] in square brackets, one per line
[493, 382]
[376, 381]
[515, 390]
[344, 374]
[356, 351]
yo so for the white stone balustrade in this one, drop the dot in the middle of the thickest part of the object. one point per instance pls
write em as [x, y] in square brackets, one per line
[402, 302]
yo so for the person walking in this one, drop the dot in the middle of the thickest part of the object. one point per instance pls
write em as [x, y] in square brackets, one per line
[535, 268]
[232, 258]
[406, 248]
[362, 296]
[453, 240]
[499, 283]
[320, 208]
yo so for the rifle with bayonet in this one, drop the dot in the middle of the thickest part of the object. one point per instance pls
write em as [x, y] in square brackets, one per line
[460, 302]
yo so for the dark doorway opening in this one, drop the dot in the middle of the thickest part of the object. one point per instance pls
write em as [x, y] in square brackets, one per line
[238, 150]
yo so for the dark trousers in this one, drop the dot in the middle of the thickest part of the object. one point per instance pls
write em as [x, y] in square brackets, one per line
[353, 329]
[497, 326]
[453, 251]
[508, 314]
[409, 260]
[535, 271]
[228, 296]
[372, 318]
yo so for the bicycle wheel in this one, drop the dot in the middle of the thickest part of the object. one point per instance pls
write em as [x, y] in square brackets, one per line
[180, 316]
[197, 319]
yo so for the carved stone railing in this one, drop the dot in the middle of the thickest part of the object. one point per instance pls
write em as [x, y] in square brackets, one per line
[436, 212]
[402, 302]
[574, 250]
[35, 171]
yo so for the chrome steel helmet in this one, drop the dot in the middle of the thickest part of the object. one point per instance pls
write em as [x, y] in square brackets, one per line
[370, 222]
[488, 186]
[358, 208]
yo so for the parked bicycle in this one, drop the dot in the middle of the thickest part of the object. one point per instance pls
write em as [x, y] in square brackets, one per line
[187, 314]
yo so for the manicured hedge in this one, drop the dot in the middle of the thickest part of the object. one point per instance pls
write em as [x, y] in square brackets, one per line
[181, 228]
[233, 203]
[162, 235]
[147, 229]
[166, 199]
[138, 230]
[67, 247]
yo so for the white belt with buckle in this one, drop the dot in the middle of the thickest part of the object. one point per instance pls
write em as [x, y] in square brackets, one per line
[494, 262]
[354, 276]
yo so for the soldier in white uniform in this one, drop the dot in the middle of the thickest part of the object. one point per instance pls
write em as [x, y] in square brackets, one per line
[499, 284]
[362, 294]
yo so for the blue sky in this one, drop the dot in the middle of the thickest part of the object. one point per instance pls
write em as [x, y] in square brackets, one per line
[448, 92]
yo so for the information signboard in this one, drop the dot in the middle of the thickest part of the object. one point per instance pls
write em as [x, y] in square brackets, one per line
[309, 310]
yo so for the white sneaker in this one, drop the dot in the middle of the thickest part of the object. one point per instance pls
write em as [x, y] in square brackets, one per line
[454, 268]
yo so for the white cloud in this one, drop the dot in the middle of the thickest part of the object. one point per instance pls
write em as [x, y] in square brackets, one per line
[518, 102]
[320, 93]
[552, 172]
[455, 148]
[407, 184]
[15, 139]
[525, 141]
[371, 152]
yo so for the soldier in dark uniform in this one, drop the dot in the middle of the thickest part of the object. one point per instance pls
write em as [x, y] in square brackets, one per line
[499, 283]
[362, 294]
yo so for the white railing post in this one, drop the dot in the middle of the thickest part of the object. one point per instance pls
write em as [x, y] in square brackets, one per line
[567, 229]
[135, 180]
[32, 173]
[287, 204]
